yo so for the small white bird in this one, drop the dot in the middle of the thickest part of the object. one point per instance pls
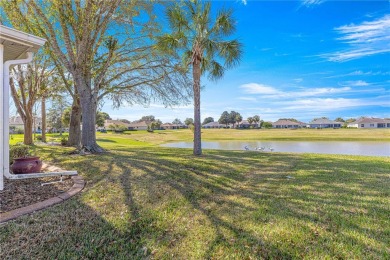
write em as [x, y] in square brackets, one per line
[271, 149]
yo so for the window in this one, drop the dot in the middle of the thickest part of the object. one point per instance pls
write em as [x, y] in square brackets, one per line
[372, 125]
[362, 125]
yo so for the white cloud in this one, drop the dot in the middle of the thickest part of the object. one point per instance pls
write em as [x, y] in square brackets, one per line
[331, 104]
[357, 83]
[247, 98]
[365, 39]
[309, 3]
[254, 88]
[244, 2]
[271, 92]
[354, 54]
[361, 73]
[298, 80]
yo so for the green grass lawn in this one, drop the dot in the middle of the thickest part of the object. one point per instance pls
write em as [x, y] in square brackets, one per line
[145, 201]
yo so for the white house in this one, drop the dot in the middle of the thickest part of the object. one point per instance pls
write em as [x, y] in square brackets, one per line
[168, 126]
[369, 122]
[16, 122]
[138, 126]
[16, 47]
[213, 125]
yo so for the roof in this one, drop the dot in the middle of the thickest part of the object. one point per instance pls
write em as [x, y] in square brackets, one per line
[17, 43]
[17, 120]
[324, 121]
[138, 124]
[245, 122]
[287, 122]
[114, 122]
[370, 120]
[213, 124]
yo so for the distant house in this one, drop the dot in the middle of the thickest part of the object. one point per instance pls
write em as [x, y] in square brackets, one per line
[166, 126]
[169, 126]
[138, 126]
[369, 122]
[283, 123]
[16, 122]
[324, 123]
[108, 123]
[213, 125]
[246, 124]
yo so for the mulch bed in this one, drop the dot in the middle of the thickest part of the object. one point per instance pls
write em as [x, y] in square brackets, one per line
[21, 193]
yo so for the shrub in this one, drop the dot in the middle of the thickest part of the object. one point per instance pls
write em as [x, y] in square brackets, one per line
[64, 141]
[39, 137]
[18, 150]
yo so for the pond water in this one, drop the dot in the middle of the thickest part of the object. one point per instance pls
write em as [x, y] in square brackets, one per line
[324, 147]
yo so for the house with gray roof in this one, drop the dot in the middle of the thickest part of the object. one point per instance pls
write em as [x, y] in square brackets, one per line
[213, 125]
[138, 126]
[108, 123]
[324, 123]
[370, 122]
[168, 126]
[284, 123]
[16, 122]
[246, 124]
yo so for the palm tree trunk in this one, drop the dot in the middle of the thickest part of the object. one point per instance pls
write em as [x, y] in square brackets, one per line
[197, 126]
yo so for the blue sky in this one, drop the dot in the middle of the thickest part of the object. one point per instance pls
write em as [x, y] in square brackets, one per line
[302, 59]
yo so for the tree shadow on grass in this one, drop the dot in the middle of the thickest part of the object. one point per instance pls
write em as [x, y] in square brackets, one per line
[220, 205]
[190, 176]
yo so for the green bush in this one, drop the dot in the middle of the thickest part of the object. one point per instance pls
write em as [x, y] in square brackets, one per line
[18, 150]
[19, 131]
[64, 141]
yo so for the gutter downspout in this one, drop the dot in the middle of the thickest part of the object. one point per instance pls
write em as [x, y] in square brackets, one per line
[5, 122]
[6, 91]
[1, 115]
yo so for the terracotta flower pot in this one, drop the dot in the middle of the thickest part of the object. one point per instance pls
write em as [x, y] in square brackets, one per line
[26, 165]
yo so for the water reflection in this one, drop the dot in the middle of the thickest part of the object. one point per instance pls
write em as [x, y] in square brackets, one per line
[324, 147]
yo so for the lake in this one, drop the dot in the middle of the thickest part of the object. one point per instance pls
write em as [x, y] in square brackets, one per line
[366, 148]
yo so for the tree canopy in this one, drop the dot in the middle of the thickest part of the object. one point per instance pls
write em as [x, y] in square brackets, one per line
[208, 120]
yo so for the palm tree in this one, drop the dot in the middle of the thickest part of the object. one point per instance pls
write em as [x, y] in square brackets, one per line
[201, 42]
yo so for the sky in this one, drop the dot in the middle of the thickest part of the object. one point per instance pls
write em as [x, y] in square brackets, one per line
[302, 59]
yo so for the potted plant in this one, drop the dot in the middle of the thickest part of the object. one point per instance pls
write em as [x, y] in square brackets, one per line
[24, 160]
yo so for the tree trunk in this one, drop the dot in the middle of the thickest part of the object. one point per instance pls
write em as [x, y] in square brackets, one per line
[75, 120]
[88, 111]
[197, 126]
[28, 126]
[43, 112]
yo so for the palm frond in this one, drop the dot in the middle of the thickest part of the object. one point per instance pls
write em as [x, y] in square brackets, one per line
[210, 47]
[216, 70]
[225, 24]
[177, 18]
[231, 52]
